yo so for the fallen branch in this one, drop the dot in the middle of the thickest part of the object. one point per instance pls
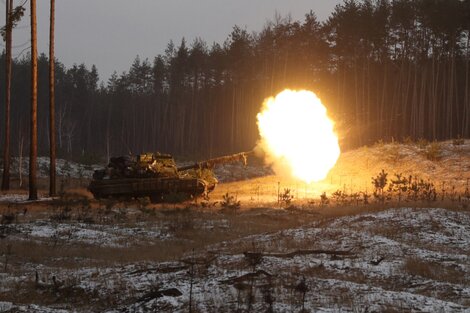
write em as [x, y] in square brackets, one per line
[200, 261]
[297, 252]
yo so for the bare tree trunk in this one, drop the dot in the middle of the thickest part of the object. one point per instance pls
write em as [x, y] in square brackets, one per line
[232, 124]
[466, 115]
[20, 161]
[20, 142]
[414, 107]
[422, 104]
[434, 96]
[61, 115]
[52, 167]
[450, 97]
[108, 133]
[381, 110]
[6, 149]
[33, 153]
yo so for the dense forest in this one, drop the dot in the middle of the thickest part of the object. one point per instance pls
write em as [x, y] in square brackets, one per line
[384, 69]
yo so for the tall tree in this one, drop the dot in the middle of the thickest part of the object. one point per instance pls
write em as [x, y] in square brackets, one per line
[8, 41]
[13, 16]
[52, 153]
[33, 150]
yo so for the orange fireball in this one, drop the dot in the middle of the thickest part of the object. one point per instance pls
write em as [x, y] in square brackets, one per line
[297, 135]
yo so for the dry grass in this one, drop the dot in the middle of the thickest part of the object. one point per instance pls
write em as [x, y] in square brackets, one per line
[188, 234]
[48, 294]
[435, 271]
[66, 256]
[433, 152]
[190, 228]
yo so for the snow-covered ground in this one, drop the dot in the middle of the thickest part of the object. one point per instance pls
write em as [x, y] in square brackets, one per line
[64, 168]
[21, 198]
[337, 282]
[442, 162]
[117, 236]
[396, 260]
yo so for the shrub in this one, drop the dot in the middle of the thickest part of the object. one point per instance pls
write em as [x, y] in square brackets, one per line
[7, 218]
[230, 202]
[458, 141]
[422, 143]
[380, 182]
[64, 214]
[365, 198]
[393, 153]
[379, 143]
[355, 197]
[418, 189]
[399, 185]
[433, 151]
[408, 141]
[324, 199]
[286, 197]
[340, 196]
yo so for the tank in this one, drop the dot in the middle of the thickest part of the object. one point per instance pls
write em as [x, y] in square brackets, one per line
[156, 175]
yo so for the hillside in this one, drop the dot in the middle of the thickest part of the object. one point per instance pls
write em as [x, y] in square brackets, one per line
[81, 255]
[446, 164]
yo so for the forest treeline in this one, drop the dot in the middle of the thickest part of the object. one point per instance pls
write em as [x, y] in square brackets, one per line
[384, 69]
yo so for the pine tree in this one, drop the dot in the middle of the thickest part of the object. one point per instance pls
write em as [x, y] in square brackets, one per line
[8, 45]
[52, 143]
[33, 152]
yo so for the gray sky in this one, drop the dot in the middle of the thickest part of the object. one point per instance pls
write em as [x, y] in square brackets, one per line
[110, 33]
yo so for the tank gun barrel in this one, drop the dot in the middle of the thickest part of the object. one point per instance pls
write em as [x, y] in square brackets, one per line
[237, 157]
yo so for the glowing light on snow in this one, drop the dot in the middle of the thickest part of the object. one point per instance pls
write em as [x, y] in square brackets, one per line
[297, 135]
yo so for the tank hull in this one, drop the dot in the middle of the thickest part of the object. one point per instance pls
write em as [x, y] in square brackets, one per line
[155, 188]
